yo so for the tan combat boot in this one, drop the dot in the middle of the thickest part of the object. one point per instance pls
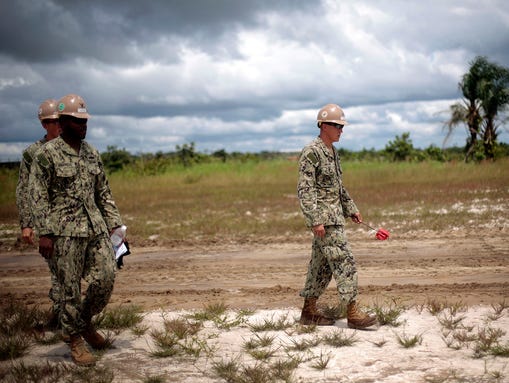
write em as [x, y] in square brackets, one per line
[357, 319]
[310, 314]
[94, 339]
[79, 352]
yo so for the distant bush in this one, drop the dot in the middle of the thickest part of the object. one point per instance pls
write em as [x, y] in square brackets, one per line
[400, 149]
[115, 159]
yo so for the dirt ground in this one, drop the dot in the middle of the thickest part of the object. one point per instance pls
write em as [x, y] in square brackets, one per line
[462, 266]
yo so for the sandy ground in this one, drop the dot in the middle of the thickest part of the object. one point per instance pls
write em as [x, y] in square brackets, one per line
[467, 267]
[471, 267]
[375, 355]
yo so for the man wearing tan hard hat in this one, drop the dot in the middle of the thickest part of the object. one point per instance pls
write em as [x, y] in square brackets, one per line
[48, 117]
[74, 213]
[326, 204]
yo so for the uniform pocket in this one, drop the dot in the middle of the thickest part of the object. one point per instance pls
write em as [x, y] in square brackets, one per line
[94, 169]
[65, 170]
[327, 176]
[66, 175]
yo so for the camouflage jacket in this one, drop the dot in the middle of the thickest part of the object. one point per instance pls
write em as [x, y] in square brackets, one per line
[22, 195]
[323, 198]
[70, 195]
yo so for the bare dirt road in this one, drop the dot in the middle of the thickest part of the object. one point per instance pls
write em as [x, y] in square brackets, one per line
[466, 267]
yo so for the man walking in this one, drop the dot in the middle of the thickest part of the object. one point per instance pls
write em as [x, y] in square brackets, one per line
[48, 117]
[73, 214]
[325, 204]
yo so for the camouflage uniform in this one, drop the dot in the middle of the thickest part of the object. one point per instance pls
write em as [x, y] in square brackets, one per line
[23, 204]
[22, 194]
[71, 200]
[324, 200]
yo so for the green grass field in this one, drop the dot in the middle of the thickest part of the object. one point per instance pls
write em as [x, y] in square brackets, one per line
[249, 201]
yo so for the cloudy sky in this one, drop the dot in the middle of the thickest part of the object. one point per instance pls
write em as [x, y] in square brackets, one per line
[243, 75]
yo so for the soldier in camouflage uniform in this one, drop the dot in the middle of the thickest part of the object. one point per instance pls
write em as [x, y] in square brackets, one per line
[48, 117]
[74, 214]
[325, 204]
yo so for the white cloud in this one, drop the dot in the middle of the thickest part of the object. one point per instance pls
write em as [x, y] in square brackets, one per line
[248, 76]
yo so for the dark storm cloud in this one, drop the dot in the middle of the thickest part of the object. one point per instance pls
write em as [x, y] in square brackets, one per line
[242, 75]
[118, 31]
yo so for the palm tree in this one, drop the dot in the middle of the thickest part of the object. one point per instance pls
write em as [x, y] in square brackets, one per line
[485, 91]
[458, 113]
[494, 95]
[470, 89]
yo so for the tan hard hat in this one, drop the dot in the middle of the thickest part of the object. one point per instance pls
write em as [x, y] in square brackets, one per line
[72, 105]
[48, 110]
[331, 113]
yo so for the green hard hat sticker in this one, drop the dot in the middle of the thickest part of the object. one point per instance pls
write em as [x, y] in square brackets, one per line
[61, 107]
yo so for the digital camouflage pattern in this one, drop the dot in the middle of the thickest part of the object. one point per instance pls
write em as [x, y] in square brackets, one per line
[71, 200]
[77, 257]
[324, 200]
[331, 257]
[23, 204]
[22, 194]
[70, 192]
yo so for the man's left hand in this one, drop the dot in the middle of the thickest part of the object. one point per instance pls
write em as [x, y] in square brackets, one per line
[357, 218]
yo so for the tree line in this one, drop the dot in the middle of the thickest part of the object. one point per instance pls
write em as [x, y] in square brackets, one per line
[397, 150]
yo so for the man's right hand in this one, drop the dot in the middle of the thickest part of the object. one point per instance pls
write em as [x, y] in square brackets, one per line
[46, 246]
[319, 230]
[27, 235]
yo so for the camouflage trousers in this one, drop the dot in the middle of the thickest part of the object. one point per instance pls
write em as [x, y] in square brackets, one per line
[75, 258]
[331, 257]
[54, 294]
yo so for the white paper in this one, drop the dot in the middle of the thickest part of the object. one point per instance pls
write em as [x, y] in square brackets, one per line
[122, 249]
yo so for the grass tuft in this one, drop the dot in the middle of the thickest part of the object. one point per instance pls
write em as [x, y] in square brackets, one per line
[283, 370]
[388, 314]
[179, 337]
[435, 307]
[450, 322]
[166, 343]
[340, 338]
[500, 307]
[337, 311]
[226, 369]
[182, 328]
[256, 374]
[303, 344]
[119, 318]
[500, 350]
[210, 312]
[304, 329]
[13, 346]
[272, 324]
[58, 372]
[409, 341]
[321, 361]
[487, 339]
[259, 341]
[262, 354]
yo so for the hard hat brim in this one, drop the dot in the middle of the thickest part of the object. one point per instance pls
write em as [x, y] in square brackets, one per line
[53, 116]
[81, 115]
[75, 115]
[341, 122]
